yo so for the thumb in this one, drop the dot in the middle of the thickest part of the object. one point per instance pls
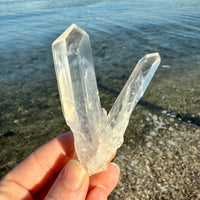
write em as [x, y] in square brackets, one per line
[72, 183]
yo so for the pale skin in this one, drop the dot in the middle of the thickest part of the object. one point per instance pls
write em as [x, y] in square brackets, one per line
[50, 173]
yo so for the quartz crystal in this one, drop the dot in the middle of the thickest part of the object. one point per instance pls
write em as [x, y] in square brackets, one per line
[97, 135]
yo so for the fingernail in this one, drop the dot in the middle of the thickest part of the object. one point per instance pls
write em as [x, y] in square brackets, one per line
[114, 164]
[103, 193]
[101, 187]
[73, 175]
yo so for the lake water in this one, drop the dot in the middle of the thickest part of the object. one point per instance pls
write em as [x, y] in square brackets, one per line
[121, 32]
[36, 23]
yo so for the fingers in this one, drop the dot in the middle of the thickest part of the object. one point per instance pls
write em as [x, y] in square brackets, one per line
[43, 192]
[12, 190]
[42, 167]
[103, 183]
[34, 172]
[72, 183]
[97, 193]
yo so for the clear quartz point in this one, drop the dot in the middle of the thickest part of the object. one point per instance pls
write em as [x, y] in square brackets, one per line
[96, 134]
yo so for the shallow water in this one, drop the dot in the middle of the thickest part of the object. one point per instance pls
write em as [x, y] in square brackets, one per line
[121, 32]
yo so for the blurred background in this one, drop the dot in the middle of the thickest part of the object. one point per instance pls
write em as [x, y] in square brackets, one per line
[160, 155]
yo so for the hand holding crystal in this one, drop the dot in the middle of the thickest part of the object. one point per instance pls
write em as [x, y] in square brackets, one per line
[51, 173]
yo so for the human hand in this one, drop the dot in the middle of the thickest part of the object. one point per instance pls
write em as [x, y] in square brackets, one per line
[50, 173]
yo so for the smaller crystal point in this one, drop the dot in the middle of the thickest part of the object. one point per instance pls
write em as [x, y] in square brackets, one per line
[131, 93]
[96, 134]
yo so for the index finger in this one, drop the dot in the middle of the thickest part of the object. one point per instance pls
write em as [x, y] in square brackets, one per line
[36, 170]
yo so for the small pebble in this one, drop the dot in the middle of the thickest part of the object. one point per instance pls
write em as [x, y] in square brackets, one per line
[161, 142]
[153, 133]
[16, 121]
[133, 162]
[165, 66]
[149, 144]
[171, 119]
[164, 112]
[170, 142]
[148, 119]
[149, 137]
